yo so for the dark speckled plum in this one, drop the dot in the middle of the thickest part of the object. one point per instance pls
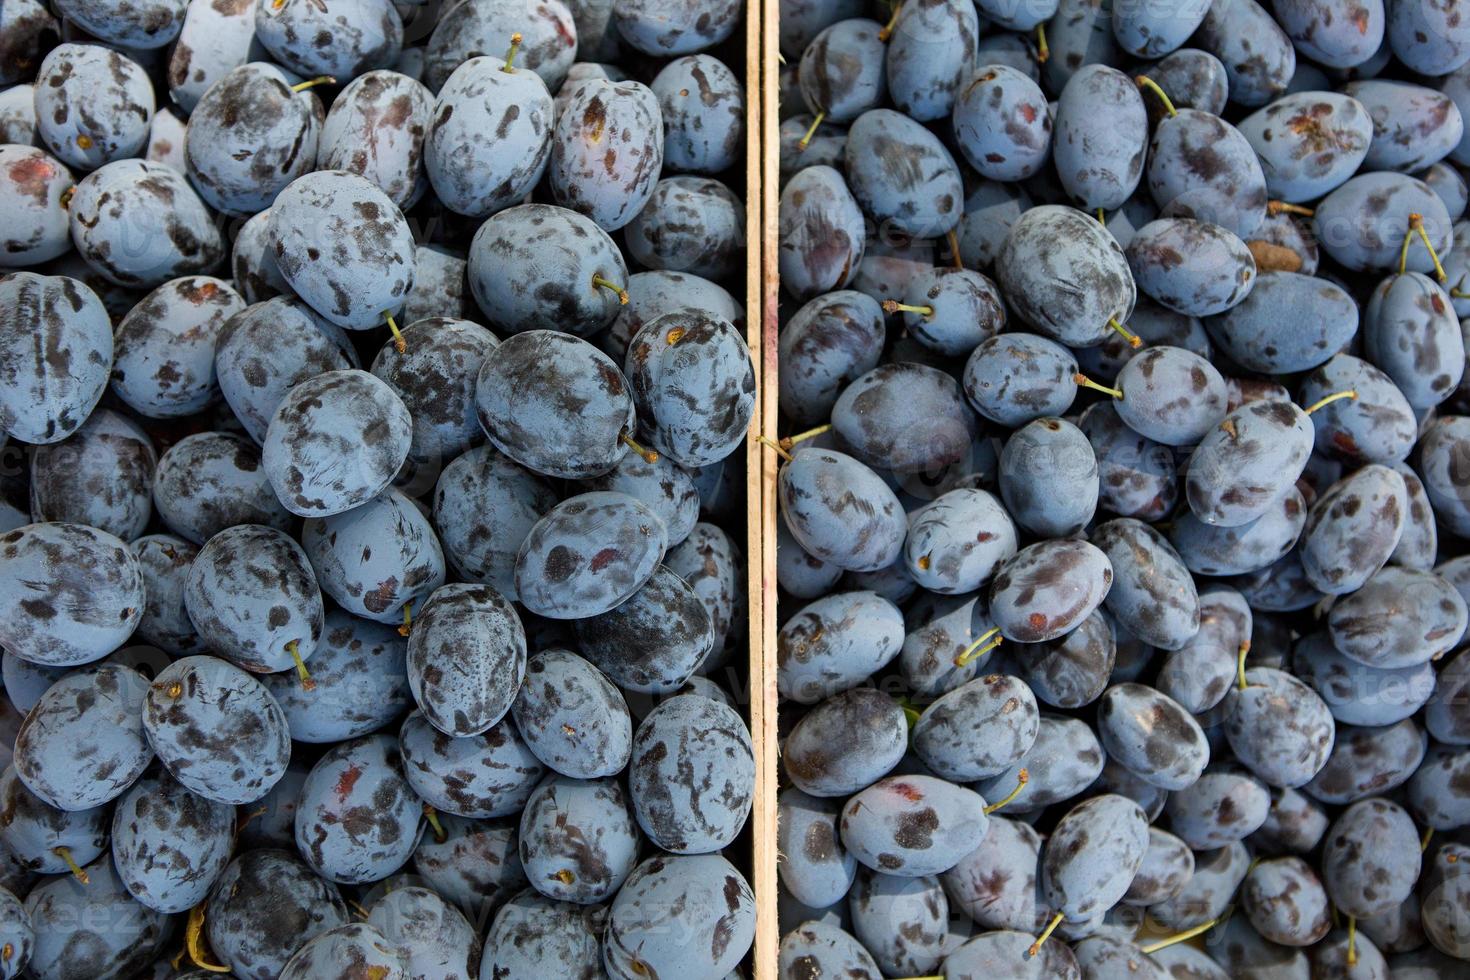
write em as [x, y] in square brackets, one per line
[845, 743]
[1150, 734]
[1002, 124]
[361, 34]
[164, 562]
[588, 554]
[490, 138]
[1442, 449]
[1436, 791]
[713, 566]
[1279, 727]
[439, 285]
[1332, 35]
[1370, 858]
[1193, 267]
[692, 379]
[1014, 378]
[361, 682]
[163, 361]
[211, 481]
[905, 417]
[1367, 761]
[335, 442]
[690, 224]
[218, 731]
[826, 948]
[1377, 426]
[1153, 596]
[250, 136]
[1049, 477]
[841, 72]
[270, 347]
[1209, 549]
[377, 561]
[214, 39]
[684, 27]
[703, 108]
[978, 730]
[481, 27]
[572, 718]
[814, 868]
[692, 774]
[538, 266]
[836, 643]
[484, 506]
[931, 52]
[964, 309]
[101, 476]
[901, 175]
[1048, 588]
[38, 834]
[376, 130]
[1410, 331]
[607, 172]
[903, 922]
[368, 272]
[1071, 670]
[479, 776]
[956, 543]
[436, 938]
[653, 293]
[653, 641]
[1353, 529]
[169, 845]
[533, 935]
[113, 122]
[358, 820]
[1246, 463]
[250, 593]
[1399, 618]
[702, 898]
[821, 234]
[353, 948]
[1258, 56]
[1092, 855]
[1170, 395]
[265, 907]
[1136, 476]
[1363, 222]
[911, 826]
[1202, 167]
[1100, 138]
[32, 183]
[1359, 694]
[70, 594]
[96, 930]
[1065, 275]
[29, 31]
[477, 865]
[1193, 78]
[1309, 143]
[827, 343]
[578, 839]
[664, 486]
[83, 743]
[1148, 32]
[1167, 865]
[145, 25]
[995, 884]
[435, 379]
[55, 353]
[1429, 38]
[466, 658]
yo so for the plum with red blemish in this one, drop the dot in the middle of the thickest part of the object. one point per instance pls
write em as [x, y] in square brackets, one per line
[533, 935]
[359, 35]
[163, 358]
[956, 543]
[211, 481]
[702, 898]
[703, 107]
[1411, 333]
[590, 553]
[359, 820]
[250, 135]
[93, 105]
[466, 30]
[32, 185]
[101, 476]
[1333, 36]
[1309, 143]
[377, 561]
[368, 270]
[264, 907]
[359, 682]
[1072, 670]
[578, 839]
[480, 776]
[169, 844]
[466, 658]
[912, 826]
[489, 135]
[692, 774]
[376, 128]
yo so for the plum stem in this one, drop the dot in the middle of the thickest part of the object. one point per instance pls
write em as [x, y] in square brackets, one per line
[982, 645]
[6, 952]
[1281, 207]
[1424, 839]
[1336, 396]
[1352, 950]
[194, 941]
[1188, 934]
[76, 870]
[399, 344]
[313, 82]
[1083, 381]
[1042, 51]
[811, 131]
[911, 714]
[307, 684]
[66, 197]
[432, 815]
[407, 626]
[1051, 926]
[767, 441]
[1455, 290]
[597, 280]
[1022, 778]
[1102, 217]
[1416, 227]
[894, 306]
[790, 441]
[954, 248]
[510, 56]
[1245, 648]
[1133, 339]
[257, 812]
[649, 456]
[1144, 81]
[887, 31]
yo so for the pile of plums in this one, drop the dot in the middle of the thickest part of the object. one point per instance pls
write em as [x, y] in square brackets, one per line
[371, 578]
[1124, 490]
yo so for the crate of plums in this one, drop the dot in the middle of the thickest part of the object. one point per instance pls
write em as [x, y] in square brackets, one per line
[375, 391]
[1121, 478]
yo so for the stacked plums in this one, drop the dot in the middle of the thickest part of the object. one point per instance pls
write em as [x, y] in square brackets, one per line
[1124, 491]
[370, 595]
